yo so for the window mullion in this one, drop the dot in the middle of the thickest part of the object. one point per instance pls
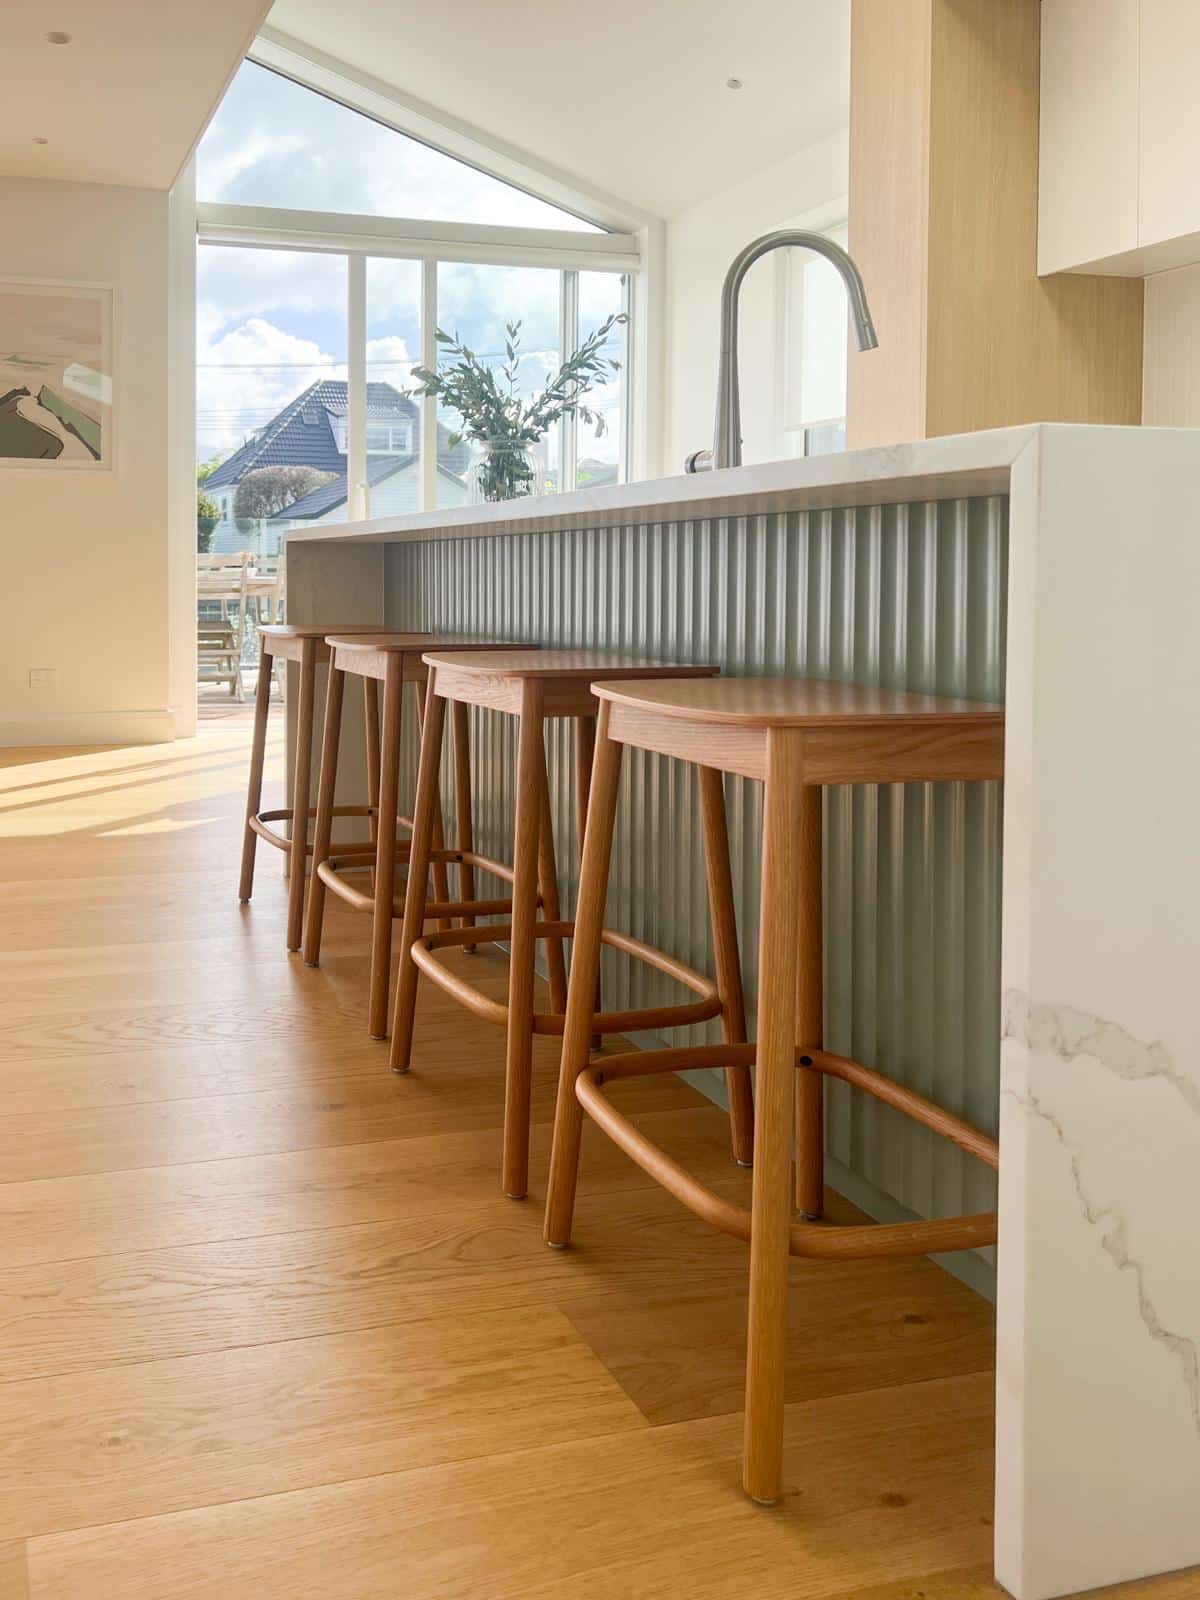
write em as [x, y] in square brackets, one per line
[568, 342]
[357, 506]
[429, 358]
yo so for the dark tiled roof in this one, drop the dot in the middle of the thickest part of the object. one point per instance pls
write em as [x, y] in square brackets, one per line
[302, 434]
[328, 495]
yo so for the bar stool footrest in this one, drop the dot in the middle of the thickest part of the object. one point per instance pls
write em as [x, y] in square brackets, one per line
[261, 825]
[361, 858]
[425, 955]
[855, 1242]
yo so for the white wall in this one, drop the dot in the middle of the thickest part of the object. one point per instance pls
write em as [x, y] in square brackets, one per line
[84, 562]
[1171, 350]
[807, 189]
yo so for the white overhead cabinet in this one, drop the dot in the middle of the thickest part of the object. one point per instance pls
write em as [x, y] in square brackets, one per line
[1120, 136]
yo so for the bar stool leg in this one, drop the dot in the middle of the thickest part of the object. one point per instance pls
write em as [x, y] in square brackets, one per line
[585, 755]
[385, 849]
[810, 1017]
[323, 831]
[464, 837]
[371, 728]
[441, 882]
[784, 895]
[416, 893]
[556, 970]
[581, 995]
[529, 831]
[258, 750]
[728, 962]
[301, 779]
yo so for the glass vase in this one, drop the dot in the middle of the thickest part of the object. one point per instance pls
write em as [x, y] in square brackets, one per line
[502, 470]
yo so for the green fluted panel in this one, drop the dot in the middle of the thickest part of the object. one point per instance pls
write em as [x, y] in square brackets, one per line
[910, 596]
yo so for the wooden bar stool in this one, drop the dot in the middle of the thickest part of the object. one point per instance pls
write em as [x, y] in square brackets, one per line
[794, 736]
[533, 688]
[393, 660]
[304, 644]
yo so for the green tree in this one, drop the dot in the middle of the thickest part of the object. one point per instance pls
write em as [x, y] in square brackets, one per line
[207, 511]
[267, 490]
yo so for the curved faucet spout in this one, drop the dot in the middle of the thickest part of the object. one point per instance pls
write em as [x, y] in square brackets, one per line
[727, 437]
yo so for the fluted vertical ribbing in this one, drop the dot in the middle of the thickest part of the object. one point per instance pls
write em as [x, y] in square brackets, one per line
[911, 596]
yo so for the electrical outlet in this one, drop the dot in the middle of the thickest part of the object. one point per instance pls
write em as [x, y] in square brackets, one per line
[42, 677]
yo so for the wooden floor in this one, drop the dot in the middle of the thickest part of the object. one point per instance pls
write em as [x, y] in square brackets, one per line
[270, 1332]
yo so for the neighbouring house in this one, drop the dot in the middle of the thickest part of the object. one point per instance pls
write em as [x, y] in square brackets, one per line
[310, 431]
[395, 490]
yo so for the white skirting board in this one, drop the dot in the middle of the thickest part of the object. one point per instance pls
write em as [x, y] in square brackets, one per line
[156, 726]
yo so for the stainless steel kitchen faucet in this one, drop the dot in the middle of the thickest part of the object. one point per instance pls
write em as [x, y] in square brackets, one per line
[727, 435]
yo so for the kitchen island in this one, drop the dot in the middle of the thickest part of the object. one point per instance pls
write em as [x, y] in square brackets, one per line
[1026, 956]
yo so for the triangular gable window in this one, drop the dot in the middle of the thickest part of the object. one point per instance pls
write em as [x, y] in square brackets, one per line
[274, 142]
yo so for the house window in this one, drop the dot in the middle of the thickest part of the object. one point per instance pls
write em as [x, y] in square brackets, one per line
[312, 352]
[389, 439]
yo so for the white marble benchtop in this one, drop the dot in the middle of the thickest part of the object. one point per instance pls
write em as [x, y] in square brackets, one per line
[959, 465]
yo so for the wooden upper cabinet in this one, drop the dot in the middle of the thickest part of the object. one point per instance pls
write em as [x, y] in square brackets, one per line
[1119, 136]
[1088, 151]
[1169, 126]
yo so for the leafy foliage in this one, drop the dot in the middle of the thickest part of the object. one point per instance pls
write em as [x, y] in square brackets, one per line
[208, 513]
[494, 415]
[267, 490]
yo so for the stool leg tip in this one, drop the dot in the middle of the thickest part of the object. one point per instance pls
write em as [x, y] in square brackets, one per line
[401, 1072]
[379, 1038]
[509, 1195]
[554, 1244]
[759, 1501]
[745, 1165]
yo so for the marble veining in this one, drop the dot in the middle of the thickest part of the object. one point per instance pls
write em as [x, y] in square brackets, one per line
[1066, 1034]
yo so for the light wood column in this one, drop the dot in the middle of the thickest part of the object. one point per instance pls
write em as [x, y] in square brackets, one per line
[943, 223]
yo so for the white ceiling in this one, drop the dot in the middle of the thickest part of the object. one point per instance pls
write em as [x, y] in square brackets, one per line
[126, 99]
[630, 96]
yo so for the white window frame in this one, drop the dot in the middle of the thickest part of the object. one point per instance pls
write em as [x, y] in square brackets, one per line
[791, 424]
[629, 246]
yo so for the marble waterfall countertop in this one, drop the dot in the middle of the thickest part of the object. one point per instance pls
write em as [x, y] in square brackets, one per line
[1098, 1291]
[959, 465]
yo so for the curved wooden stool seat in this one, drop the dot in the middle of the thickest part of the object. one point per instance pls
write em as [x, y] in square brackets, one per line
[393, 659]
[303, 643]
[794, 736]
[534, 688]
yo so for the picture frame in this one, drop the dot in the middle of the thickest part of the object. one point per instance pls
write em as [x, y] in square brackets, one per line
[57, 408]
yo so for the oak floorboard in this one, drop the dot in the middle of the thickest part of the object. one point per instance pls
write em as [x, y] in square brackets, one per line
[868, 1325]
[14, 1574]
[171, 1434]
[115, 1213]
[879, 1486]
[114, 1310]
[461, 1086]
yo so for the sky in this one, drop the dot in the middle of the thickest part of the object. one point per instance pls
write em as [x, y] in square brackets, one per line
[270, 322]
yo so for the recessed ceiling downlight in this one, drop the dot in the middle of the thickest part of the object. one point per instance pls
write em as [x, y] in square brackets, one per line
[733, 83]
[39, 140]
[57, 37]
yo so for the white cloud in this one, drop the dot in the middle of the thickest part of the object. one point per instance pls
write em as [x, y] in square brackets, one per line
[248, 375]
[273, 142]
[389, 361]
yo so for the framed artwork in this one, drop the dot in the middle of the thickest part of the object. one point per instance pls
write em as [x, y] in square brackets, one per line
[56, 390]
